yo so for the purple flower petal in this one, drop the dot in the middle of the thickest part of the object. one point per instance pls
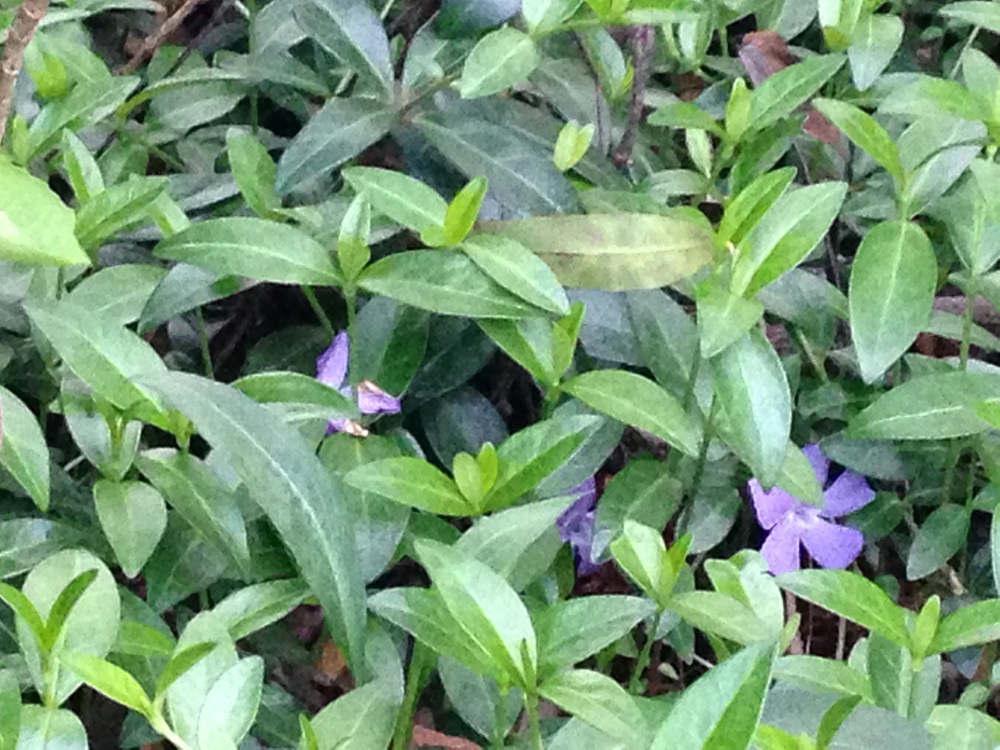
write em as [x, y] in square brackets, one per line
[331, 365]
[781, 548]
[772, 506]
[820, 463]
[373, 400]
[831, 545]
[336, 425]
[849, 492]
[586, 490]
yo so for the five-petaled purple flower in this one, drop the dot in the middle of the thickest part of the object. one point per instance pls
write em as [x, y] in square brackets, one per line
[331, 370]
[792, 522]
[576, 526]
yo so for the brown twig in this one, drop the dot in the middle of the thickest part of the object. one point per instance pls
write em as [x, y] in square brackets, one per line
[19, 37]
[158, 38]
[642, 41]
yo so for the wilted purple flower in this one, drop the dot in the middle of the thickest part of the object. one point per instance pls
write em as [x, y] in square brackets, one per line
[576, 526]
[331, 370]
[793, 522]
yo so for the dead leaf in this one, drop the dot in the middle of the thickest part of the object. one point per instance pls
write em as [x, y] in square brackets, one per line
[331, 662]
[424, 737]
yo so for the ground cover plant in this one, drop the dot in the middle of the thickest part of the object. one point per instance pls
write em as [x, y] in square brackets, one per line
[606, 374]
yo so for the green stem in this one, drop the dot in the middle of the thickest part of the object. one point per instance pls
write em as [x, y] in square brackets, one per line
[635, 684]
[206, 352]
[420, 660]
[318, 309]
[970, 301]
[552, 395]
[968, 43]
[351, 301]
[531, 706]
[811, 356]
[159, 724]
[499, 722]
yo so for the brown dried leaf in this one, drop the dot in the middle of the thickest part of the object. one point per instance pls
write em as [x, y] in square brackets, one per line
[331, 662]
[424, 737]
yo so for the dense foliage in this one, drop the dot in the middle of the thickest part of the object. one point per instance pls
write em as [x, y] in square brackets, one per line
[513, 373]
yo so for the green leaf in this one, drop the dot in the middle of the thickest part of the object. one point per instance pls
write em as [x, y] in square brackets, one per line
[35, 225]
[971, 625]
[613, 252]
[783, 238]
[296, 388]
[572, 145]
[722, 709]
[866, 134]
[81, 167]
[260, 249]
[102, 354]
[254, 607]
[412, 482]
[233, 698]
[51, 729]
[352, 32]
[534, 453]
[443, 281]
[117, 208]
[530, 342]
[180, 663]
[745, 210]
[892, 286]
[723, 317]
[781, 94]
[87, 103]
[338, 132]
[109, 680]
[518, 270]
[572, 630]
[815, 672]
[422, 613]
[684, 115]
[284, 477]
[598, 700]
[118, 293]
[851, 596]
[463, 211]
[721, 615]
[91, 627]
[133, 517]
[403, 199]
[945, 531]
[753, 392]
[363, 718]
[873, 45]
[24, 609]
[932, 407]
[355, 235]
[23, 450]
[200, 497]
[10, 710]
[520, 172]
[254, 171]
[486, 607]
[63, 606]
[976, 12]
[477, 698]
[638, 401]
[499, 60]
[642, 554]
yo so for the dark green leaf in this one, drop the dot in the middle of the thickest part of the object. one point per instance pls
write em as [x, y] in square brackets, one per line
[945, 531]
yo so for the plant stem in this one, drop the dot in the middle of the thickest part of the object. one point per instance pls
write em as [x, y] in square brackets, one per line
[318, 309]
[351, 300]
[968, 43]
[970, 300]
[206, 352]
[499, 722]
[531, 706]
[635, 684]
[19, 36]
[420, 659]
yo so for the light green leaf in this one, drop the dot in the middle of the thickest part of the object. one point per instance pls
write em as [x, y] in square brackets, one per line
[254, 171]
[866, 134]
[873, 45]
[118, 293]
[110, 680]
[400, 197]
[518, 270]
[598, 700]
[781, 94]
[133, 517]
[969, 626]
[613, 252]
[35, 225]
[499, 60]
[413, 482]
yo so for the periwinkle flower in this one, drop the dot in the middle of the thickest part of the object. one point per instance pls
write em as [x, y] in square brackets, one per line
[576, 526]
[792, 523]
[331, 370]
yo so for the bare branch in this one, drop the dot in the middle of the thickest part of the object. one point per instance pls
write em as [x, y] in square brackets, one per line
[19, 37]
[642, 41]
[157, 39]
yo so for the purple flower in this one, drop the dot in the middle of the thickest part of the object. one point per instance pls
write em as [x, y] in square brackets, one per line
[331, 370]
[576, 526]
[792, 522]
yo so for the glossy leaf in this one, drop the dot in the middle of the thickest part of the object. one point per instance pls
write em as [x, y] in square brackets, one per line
[110, 680]
[941, 535]
[133, 517]
[400, 197]
[254, 171]
[866, 134]
[289, 483]
[518, 270]
[499, 60]
[598, 700]
[778, 96]
[410, 481]
[257, 248]
[337, 133]
[638, 401]
[23, 450]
